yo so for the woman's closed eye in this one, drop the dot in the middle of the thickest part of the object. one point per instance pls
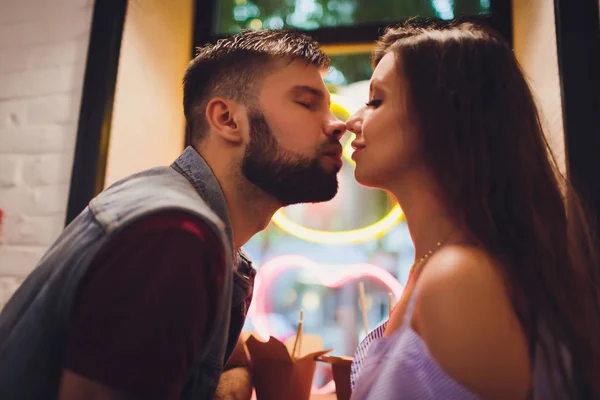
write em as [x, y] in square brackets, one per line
[374, 103]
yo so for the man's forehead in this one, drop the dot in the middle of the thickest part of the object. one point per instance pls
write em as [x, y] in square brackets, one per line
[296, 78]
[298, 70]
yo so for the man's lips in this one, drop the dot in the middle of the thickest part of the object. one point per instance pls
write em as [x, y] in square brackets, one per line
[335, 152]
[335, 155]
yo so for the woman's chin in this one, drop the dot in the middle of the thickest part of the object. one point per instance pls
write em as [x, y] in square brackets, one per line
[367, 180]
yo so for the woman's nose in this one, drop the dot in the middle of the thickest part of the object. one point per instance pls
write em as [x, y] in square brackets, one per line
[354, 123]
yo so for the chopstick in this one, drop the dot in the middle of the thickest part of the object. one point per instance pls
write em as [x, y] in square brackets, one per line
[298, 341]
[363, 306]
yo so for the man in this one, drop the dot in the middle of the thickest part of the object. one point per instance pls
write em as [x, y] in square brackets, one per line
[145, 293]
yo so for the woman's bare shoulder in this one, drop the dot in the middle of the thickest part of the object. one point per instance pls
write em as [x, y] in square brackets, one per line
[466, 319]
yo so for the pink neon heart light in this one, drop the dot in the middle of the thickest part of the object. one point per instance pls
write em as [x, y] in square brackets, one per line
[278, 265]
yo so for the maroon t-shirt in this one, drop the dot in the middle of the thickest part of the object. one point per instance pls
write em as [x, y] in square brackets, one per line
[145, 305]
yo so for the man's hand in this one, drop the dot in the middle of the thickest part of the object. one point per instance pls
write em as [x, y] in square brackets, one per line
[235, 384]
[236, 380]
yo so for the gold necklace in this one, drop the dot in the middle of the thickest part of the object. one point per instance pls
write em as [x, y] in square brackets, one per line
[426, 256]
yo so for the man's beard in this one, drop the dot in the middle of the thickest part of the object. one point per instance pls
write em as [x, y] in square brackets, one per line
[285, 175]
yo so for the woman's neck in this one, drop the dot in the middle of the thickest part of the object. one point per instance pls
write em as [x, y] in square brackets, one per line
[427, 217]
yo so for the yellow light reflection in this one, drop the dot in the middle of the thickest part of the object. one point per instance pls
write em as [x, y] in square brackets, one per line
[360, 235]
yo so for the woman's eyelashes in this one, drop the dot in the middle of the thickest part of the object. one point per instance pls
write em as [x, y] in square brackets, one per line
[373, 103]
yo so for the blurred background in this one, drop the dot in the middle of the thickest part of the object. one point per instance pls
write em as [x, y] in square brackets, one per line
[91, 92]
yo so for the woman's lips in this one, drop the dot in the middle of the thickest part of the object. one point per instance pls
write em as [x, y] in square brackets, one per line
[357, 147]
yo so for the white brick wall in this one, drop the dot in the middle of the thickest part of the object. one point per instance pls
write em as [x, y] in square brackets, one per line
[43, 48]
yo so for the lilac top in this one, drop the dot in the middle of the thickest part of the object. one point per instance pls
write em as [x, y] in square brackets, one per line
[400, 365]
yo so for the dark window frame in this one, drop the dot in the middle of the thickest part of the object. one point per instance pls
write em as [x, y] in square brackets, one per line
[95, 114]
[578, 50]
[500, 19]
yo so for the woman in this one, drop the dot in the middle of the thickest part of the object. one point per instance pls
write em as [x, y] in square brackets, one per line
[501, 303]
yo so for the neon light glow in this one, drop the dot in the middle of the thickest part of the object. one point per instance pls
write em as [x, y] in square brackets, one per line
[375, 230]
[260, 307]
[341, 107]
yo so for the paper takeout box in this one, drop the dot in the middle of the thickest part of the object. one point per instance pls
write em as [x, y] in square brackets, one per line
[276, 374]
[341, 374]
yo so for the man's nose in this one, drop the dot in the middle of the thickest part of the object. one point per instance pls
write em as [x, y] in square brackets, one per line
[336, 129]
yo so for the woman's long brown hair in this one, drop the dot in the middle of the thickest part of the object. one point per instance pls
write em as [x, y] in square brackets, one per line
[480, 135]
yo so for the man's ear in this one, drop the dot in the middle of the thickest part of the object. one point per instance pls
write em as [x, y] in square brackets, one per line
[226, 118]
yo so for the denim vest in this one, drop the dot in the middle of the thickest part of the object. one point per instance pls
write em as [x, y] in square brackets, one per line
[34, 323]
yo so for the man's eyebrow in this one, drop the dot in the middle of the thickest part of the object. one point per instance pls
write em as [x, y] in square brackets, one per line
[301, 89]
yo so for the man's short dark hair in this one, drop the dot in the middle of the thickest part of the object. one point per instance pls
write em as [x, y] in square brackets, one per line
[232, 67]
